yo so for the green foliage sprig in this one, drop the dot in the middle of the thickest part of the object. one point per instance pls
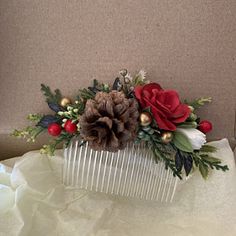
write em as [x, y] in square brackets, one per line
[199, 102]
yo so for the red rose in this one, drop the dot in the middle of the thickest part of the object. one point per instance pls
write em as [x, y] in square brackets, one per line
[205, 126]
[165, 105]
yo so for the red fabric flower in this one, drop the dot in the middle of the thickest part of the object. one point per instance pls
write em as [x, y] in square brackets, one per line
[165, 105]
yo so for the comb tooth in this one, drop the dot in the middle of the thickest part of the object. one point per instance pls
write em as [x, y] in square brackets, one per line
[74, 161]
[138, 159]
[99, 169]
[65, 165]
[160, 179]
[78, 164]
[151, 180]
[69, 165]
[169, 185]
[165, 184]
[88, 168]
[115, 172]
[160, 170]
[104, 171]
[148, 176]
[94, 168]
[109, 174]
[127, 170]
[173, 192]
[83, 167]
[121, 170]
[134, 159]
[144, 175]
[155, 179]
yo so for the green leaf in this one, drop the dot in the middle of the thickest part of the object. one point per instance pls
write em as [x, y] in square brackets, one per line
[182, 142]
[188, 125]
[203, 170]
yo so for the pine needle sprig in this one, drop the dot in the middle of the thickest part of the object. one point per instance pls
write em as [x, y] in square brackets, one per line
[205, 162]
[50, 96]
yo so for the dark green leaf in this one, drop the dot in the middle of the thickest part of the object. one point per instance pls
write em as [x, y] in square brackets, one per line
[55, 107]
[188, 164]
[47, 120]
[178, 161]
[117, 85]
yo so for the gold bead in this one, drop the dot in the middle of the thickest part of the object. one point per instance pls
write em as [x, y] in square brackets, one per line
[166, 137]
[65, 101]
[145, 119]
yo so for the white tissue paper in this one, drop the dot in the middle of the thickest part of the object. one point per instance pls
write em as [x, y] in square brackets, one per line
[34, 202]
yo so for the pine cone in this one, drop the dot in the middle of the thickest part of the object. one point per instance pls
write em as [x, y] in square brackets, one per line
[109, 121]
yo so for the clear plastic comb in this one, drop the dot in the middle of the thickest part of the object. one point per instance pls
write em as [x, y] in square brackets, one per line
[131, 172]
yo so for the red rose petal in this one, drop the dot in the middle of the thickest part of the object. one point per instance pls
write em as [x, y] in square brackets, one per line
[171, 99]
[181, 113]
[162, 120]
[152, 86]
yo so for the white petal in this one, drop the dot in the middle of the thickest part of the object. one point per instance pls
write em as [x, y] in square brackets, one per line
[196, 137]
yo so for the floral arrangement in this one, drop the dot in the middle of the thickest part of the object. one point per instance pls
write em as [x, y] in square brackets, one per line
[132, 109]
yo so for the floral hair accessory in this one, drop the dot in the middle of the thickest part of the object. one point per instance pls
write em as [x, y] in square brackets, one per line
[132, 109]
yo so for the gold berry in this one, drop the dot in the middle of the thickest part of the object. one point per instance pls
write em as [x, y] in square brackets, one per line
[65, 101]
[145, 119]
[166, 137]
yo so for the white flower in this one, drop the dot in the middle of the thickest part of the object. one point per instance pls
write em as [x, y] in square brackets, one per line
[60, 113]
[129, 77]
[142, 74]
[196, 137]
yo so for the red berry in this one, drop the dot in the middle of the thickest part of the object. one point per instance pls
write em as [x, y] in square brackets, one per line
[54, 129]
[205, 126]
[70, 127]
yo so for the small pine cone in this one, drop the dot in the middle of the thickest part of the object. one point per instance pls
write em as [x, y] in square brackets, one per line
[109, 121]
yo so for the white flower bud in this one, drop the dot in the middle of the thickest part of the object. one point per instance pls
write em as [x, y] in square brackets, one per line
[64, 120]
[196, 137]
[60, 113]
[75, 110]
[76, 102]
